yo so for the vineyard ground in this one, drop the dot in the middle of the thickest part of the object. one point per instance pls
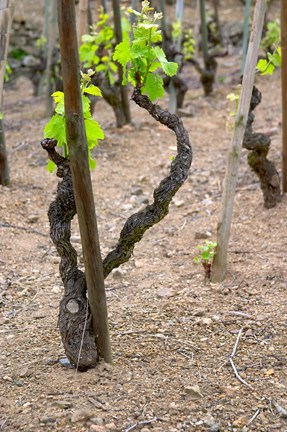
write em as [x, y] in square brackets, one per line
[172, 332]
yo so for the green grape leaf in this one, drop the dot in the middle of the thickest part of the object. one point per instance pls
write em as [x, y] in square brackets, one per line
[111, 78]
[205, 256]
[87, 38]
[93, 132]
[275, 59]
[87, 52]
[138, 51]
[92, 90]
[265, 67]
[56, 129]
[1, 116]
[169, 68]
[50, 167]
[147, 26]
[113, 67]
[58, 96]
[153, 87]
[86, 106]
[122, 53]
[154, 66]
[92, 162]
[101, 67]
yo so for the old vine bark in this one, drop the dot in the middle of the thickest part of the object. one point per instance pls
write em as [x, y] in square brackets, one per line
[138, 223]
[258, 144]
[75, 319]
[74, 316]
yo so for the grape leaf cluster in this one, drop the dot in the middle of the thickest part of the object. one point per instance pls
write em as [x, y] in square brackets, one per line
[97, 48]
[56, 128]
[141, 58]
[267, 67]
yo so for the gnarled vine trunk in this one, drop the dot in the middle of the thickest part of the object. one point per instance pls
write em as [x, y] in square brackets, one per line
[258, 144]
[74, 316]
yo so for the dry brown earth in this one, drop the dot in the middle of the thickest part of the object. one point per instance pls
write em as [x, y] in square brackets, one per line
[172, 332]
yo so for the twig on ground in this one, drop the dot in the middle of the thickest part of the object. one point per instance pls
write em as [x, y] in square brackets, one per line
[7, 225]
[237, 374]
[281, 411]
[185, 353]
[140, 423]
[257, 412]
[241, 314]
[236, 343]
[3, 423]
[232, 363]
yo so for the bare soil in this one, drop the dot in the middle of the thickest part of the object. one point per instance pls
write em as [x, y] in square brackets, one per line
[172, 332]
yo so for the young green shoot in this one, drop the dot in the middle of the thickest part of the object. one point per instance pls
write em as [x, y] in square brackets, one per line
[267, 67]
[207, 250]
[97, 48]
[141, 58]
[271, 41]
[56, 128]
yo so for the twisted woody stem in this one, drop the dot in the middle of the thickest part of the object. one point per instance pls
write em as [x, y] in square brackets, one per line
[74, 316]
[75, 319]
[258, 144]
[137, 224]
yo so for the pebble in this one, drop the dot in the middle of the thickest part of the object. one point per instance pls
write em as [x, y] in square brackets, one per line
[202, 235]
[32, 219]
[63, 404]
[98, 421]
[166, 292]
[127, 207]
[81, 415]
[199, 312]
[215, 427]
[117, 274]
[66, 363]
[178, 203]
[193, 391]
[111, 426]
[48, 419]
[97, 428]
[25, 372]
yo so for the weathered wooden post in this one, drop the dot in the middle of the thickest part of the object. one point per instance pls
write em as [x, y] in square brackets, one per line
[284, 90]
[6, 13]
[119, 38]
[82, 185]
[225, 218]
[51, 35]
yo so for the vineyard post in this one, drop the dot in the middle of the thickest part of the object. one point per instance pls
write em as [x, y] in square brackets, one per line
[284, 90]
[6, 13]
[179, 11]
[119, 38]
[51, 35]
[245, 33]
[225, 217]
[82, 185]
[204, 36]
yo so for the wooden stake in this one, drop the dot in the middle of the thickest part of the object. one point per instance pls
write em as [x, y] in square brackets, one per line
[51, 35]
[6, 13]
[119, 38]
[224, 224]
[82, 184]
[284, 91]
